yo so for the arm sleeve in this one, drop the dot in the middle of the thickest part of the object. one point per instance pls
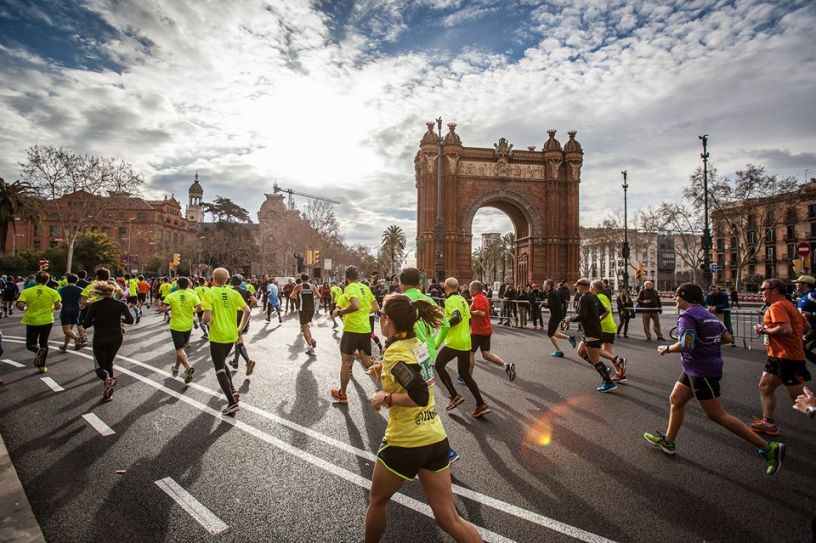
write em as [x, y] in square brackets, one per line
[442, 334]
[127, 314]
[416, 387]
[455, 318]
[89, 317]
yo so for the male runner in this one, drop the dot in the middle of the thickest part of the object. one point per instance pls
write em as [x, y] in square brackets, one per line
[164, 289]
[557, 307]
[480, 331]
[456, 336]
[304, 293]
[589, 311]
[807, 307]
[10, 293]
[142, 288]
[609, 330]
[354, 305]
[39, 303]
[182, 303]
[240, 345]
[82, 282]
[69, 314]
[201, 291]
[132, 290]
[273, 301]
[220, 307]
[335, 292]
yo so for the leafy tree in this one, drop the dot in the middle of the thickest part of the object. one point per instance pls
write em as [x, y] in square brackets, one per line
[393, 245]
[225, 210]
[17, 201]
[95, 249]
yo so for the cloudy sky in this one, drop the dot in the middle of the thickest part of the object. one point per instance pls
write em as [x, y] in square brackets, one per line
[331, 97]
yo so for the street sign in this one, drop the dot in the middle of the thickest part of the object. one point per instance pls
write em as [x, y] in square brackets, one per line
[713, 268]
[803, 249]
[327, 264]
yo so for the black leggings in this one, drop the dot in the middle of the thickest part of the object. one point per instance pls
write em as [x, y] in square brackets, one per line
[623, 327]
[462, 365]
[269, 307]
[37, 338]
[219, 353]
[106, 344]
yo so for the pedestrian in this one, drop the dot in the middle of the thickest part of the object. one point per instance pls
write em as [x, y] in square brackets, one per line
[535, 308]
[556, 307]
[783, 327]
[648, 303]
[717, 304]
[700, 335]
[734, 295]
[183, 304]
[69, 313]
[39, 303]
[626, 311]
[273, 301]
[589, 315]
[415, 444]
[480, 331]
[305, 293]
[106, 314]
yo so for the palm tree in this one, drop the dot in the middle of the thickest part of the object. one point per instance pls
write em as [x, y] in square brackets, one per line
[393, 244]
[17, 201]
[477, 263]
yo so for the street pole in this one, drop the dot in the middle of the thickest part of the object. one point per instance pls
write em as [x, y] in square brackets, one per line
[439, 229]
[625, 250]
[706, 241]
[130, 235]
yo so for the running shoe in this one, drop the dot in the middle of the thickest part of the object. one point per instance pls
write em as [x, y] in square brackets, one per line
[615, 377]
[63, 348]
[107, 393]
[660, 440]
[42, 369]
[236, 397]
[80, 344]
[606, 386]
[454, 402]
[557, 354]
[510, 370]
[460, 380]
[572, 341]
[234, 364]
[761, 426]
[174, 371]
[188, 375]
[310, 351]
[39, 357]
[138, 318]
[453, 456]
[314, 343]
[480, 410]
[773, 454]
[231, 409]
[339, 397]
[250, 367]
[334, 326]
[195, 325]
[621, 368]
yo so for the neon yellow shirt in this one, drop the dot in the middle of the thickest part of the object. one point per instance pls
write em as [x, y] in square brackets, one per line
[250, 287]
[335, 292]
[608, 323]
[458, 337]
[423, 332]
[409, 426]
[88, 291]
[183, 303]
[165, 288]
[224, 303]
[201, 290]
[357, 322]
[39, 301]
[133, 286]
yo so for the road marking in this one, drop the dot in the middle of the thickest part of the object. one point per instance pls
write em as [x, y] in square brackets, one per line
[505, 507]
[52, 384]
[195, 508]
[98, 425]
[13, 363]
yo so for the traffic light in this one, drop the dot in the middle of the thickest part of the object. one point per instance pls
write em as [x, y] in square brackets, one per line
[43, 264]
[640, 270]
[316, 257]
[176, 259]
[309, 257]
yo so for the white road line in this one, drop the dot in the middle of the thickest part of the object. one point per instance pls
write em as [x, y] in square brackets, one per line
[13, 363]
[98, 425]
[195, 508]
[505, 507]
[52, 384]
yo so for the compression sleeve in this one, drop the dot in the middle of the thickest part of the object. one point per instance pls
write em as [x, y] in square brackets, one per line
[410, 378]
[456, 318]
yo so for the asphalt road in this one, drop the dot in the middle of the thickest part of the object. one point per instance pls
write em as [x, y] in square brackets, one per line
[554, 461]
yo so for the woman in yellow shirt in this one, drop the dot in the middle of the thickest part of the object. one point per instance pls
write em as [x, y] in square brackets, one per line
[415, 443]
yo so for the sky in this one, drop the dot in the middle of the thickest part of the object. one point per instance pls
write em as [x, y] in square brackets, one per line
[331, 97]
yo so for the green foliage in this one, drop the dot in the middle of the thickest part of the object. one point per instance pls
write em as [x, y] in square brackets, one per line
[225, 210]
[155, 265]
[94, 249]
[17, 199]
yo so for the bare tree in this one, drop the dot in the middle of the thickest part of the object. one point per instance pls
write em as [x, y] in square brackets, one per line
[77, 188]
[684, 223]
[320, 215]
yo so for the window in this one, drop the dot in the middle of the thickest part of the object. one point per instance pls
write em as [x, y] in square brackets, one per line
[791, 215]
[733, 260]
[106, 230]
[122, 232]
[37, 244]
[770, 253]
[791, 251]
[813, 229]
[790, 232]
[752, 237]
[770, 270]
[770, 235]
[720, 245]
[141, 217]
[53, 243]
[37, 231]
[811, 210]
[53, 231]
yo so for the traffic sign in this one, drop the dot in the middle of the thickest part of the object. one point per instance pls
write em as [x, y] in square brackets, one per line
[713, 268]
[327, 264]
[803, 249]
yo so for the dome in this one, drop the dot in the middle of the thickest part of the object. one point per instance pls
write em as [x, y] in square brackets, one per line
[272, 205]
[430, 136]
[452, 138]
[572, 146]
[552, 144]
[195, 188]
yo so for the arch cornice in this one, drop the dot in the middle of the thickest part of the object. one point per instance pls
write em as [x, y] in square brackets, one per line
[504, 198]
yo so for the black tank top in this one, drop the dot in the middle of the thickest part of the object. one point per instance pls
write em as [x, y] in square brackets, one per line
[306, 297]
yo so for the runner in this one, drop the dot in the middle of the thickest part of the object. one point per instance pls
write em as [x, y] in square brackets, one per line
[304, 292]
[273, 301]
[83, 310]
[183, 303]
[39, 303]
[415, 443]
[201, 292]
[807, 307]
[107, 314]
[783, 327]
[354, 305]
[336, 291]
[220, 307]
[164, 289]
[142, 288]
[480, 331]
[132, 292]
[700, 336]
[589, 311]
[240, 345]
[456, 337]
[609, 331]
[69, 313]
[557, 307]
[10, 293]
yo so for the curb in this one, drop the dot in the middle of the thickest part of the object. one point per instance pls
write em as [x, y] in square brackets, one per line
[17, 520]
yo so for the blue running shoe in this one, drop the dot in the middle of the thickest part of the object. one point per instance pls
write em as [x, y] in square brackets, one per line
[572, 341]
[459, 379]
[453, 456]
[557, 354]
[606, 387]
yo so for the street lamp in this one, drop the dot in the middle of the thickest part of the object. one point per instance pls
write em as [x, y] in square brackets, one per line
[439, 228]
[625, 249]
[130, 231]
[706, 241]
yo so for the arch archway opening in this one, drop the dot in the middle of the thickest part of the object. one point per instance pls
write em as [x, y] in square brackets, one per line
[498, 230]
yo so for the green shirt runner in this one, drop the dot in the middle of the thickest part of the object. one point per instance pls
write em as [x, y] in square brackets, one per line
[182, 307]
[39, 301]
[608, 323]
[357, 321]
[458, 336]
[224, 303]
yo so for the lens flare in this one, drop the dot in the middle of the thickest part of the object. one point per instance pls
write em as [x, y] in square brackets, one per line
[541, 432]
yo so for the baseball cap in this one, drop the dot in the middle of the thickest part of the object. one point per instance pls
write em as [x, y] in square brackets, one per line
[809, 279]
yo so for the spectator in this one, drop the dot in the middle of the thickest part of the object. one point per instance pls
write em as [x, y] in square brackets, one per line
[626, 311]
[734, 298]
[716, 302]
[648, 301]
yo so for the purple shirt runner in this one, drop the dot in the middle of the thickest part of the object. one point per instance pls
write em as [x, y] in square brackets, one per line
[705, 359]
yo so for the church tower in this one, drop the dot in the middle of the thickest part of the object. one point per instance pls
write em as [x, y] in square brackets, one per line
[194, 211]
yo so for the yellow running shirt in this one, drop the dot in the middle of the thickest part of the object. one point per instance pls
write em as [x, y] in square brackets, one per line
[458, 336]
[409, 426]
[335, 293]
[164, 289]
[39, 301]
[89, 293]
[357, 322]
[133, 287]
[608, 323]
[224, 303]
[182, 307]
[201, 290]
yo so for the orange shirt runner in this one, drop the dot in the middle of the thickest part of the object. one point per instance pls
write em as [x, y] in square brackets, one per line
[789, 346]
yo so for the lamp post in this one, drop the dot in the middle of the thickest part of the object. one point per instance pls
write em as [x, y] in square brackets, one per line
[439, 229]
[625, 249]
[130, 232]
[706, 241]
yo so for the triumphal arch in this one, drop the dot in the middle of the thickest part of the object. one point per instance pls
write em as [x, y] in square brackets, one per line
[537, 189]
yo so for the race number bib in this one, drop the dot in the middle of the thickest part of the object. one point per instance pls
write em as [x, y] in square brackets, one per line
[425, 364]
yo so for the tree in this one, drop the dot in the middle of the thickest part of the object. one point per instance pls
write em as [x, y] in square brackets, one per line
[225, 210]
[393, 244]
[740, 208]
[95, 249]
[18, 200]
[77, 188]
[320, 215]
[684, 223]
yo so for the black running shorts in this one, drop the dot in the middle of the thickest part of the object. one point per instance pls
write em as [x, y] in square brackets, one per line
[142, 297]
[704, 388]
[132, 300]
[306, 316]
[180, 339]
[69, 317]
[791, 372]
[405, 462]
[354, 341]
[608, 337]
[479, 342]
[592, 342]
[552, 325]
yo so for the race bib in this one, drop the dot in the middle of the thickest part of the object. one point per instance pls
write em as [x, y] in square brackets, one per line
[424, 359]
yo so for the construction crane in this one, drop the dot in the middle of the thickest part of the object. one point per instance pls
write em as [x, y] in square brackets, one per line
[292, 193]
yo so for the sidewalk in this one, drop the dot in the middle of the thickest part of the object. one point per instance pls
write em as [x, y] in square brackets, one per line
[17, 521]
